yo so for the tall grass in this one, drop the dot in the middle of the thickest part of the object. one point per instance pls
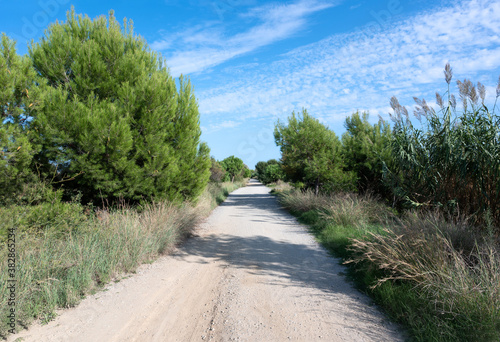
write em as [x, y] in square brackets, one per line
[440, 278]
[453, 162]
[57, 270]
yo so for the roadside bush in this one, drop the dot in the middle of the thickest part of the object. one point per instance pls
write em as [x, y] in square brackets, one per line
[366, 148]
[217, 172]
[272, 173]
[302, 201]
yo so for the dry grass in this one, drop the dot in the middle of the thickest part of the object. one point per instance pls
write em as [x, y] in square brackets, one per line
[56, 270]
[354, 210]
[303, 201]
[439, 276]
[457, 273]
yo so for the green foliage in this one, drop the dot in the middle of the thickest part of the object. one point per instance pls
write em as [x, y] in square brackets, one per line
[248, 173]
[273, 173]
[260, 168]
[234, 167]
[311, 153]
[113, 122]
[365, 149]
[56, 216]
[217, 171]
[270, 171]
[454, 162]
[17, 93]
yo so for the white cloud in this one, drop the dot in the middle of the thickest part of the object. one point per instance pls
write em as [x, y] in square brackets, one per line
[406, 59]
[221, 125]
[208, 45]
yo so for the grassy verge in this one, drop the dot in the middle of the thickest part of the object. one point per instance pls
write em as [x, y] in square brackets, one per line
[76, 254]
[440, 279]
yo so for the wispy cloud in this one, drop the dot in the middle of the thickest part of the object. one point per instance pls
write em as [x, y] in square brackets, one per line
[208, 45]
[362, 69]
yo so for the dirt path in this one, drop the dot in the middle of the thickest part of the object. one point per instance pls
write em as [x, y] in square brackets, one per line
[251, 274]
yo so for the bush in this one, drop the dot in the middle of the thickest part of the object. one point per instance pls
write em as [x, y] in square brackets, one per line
[366, 148]
[217, 172]
[272, 173]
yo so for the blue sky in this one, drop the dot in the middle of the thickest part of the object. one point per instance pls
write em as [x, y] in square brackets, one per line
[254, 62]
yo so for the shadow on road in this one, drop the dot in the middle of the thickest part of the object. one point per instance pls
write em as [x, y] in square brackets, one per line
[301, 264]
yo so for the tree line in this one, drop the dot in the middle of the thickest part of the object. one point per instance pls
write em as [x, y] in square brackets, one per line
[452, 163]
[230, 169]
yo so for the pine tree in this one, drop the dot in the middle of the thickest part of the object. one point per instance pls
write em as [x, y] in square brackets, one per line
[113, 119]
[365, 149]
[234, 167]
[17, 99]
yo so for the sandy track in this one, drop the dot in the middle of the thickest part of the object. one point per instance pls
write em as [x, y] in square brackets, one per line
[252, 274]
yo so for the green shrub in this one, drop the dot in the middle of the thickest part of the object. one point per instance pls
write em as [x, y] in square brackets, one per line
[366, 148]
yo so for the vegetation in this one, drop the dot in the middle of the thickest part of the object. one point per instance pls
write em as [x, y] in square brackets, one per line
[270, 171]
[101, 167]
[17, 89]
[217, 171]
[440, 279]
[235, 169]
[58, 267]
[453, 162]
[311, 154]
[365, 149]
[92, 116]
[95, 110]
[434, 268]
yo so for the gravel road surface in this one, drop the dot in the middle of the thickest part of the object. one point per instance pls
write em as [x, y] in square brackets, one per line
[251, 273]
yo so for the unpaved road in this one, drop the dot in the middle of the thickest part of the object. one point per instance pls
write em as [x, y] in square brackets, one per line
[252, 274]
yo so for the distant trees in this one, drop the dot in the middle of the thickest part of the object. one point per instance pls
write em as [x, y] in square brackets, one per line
[235, 169]
[312, 154]
[230, 169]
[104, 117]
[270, 171]
[217, 171]
[273, 173]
